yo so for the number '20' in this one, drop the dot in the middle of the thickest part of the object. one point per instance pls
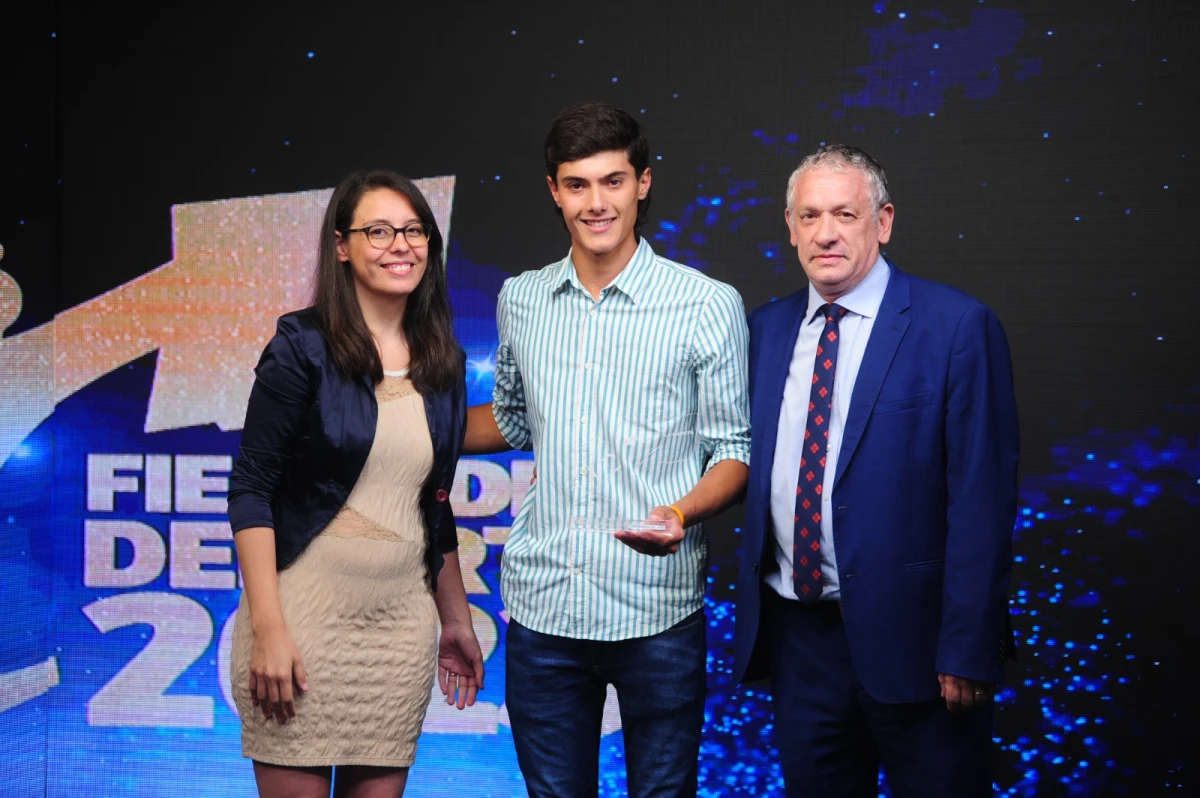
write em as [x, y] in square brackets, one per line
[183, 630]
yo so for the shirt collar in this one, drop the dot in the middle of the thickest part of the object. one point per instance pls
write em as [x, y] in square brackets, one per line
[630, 281]
[864, 299]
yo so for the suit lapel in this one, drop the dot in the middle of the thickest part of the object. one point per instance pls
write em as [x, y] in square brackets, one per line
[774, 364]
[886, 335]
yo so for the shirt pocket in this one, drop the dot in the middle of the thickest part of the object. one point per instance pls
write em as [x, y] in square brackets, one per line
[657, 426]
[651, 387]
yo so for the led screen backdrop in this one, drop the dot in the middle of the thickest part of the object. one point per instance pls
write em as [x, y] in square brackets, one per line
[164, 175]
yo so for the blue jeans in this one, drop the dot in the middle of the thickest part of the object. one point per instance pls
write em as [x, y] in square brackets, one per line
[555, 694]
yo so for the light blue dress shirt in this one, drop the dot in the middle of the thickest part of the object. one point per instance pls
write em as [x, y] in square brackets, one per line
[863, 303]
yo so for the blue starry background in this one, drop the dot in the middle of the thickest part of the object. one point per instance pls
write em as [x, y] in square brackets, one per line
[1041, 157]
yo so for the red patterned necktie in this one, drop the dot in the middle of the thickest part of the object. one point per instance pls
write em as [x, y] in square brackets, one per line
[806, 542]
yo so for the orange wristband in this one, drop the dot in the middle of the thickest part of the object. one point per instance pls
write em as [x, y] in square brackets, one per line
[679, 513]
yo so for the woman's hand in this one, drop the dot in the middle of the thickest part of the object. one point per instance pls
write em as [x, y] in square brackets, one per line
[460, 665]
[275, 663]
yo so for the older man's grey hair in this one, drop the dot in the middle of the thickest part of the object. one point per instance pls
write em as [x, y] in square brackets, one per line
[839, 158]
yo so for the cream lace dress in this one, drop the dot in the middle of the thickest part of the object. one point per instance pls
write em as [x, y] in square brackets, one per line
[357, 605]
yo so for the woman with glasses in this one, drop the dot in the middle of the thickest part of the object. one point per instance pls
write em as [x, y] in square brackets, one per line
[339, 504]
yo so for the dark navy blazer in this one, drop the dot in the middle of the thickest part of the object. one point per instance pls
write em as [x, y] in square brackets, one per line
[924, 497]
[308, 431]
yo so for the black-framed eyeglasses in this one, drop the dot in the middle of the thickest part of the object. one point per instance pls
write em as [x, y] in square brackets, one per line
[382, 235]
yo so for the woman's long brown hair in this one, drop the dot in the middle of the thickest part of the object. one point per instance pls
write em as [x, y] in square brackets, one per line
[434, 355]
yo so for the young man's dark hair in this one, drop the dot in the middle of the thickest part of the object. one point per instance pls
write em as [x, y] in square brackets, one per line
[582, 131]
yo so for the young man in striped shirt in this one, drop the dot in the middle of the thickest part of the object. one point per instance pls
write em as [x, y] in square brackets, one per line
[625, 373]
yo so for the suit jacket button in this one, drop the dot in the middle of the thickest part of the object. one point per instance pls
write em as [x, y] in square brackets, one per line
[441, 495]
[754, 568]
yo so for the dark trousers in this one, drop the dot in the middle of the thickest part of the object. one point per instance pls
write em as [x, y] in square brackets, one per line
[832, 736]
[556, 687]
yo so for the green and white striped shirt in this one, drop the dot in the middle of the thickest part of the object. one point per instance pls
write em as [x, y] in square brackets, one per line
[625, 401]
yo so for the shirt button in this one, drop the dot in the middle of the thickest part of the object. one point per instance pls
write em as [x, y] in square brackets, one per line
[583, 471]
[587, 366]
[583, 419]
[592, 312]
[576, 570]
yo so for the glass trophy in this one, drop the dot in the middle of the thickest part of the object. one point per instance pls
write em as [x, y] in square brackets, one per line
[611, 526]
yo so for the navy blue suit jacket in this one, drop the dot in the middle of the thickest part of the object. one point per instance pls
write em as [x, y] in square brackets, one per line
[308, 431]
[924, 495]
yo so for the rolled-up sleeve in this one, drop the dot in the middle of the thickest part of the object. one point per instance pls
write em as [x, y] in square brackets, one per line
[278, 400]
[720, 345]
[508, 397]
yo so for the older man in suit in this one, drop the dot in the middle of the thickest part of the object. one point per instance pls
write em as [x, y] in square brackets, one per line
[880, 507]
